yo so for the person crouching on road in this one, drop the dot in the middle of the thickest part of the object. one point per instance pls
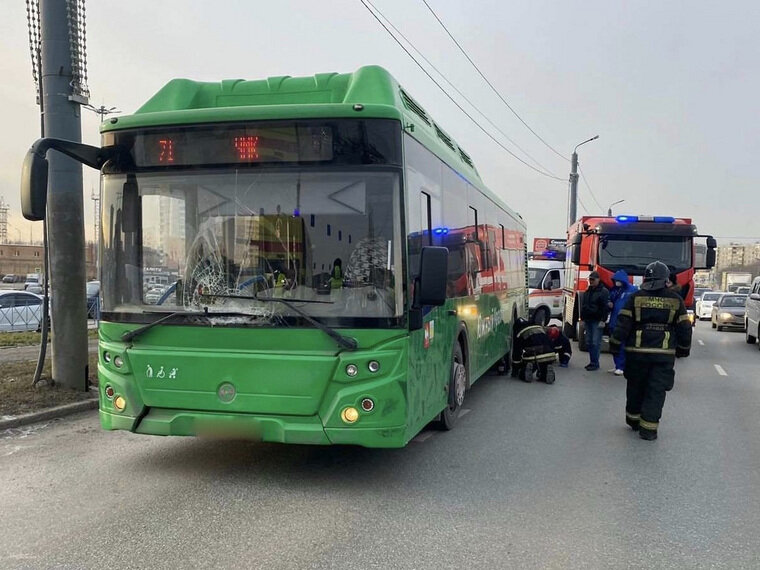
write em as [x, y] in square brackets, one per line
[618, 295]
[655, 328]
[561, 345]
[532, 346]
[594, 312]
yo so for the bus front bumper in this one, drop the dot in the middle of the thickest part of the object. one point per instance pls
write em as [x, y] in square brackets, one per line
[306, 430]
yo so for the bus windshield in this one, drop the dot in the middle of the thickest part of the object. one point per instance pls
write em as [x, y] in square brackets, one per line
[634, 252]
[214, 239]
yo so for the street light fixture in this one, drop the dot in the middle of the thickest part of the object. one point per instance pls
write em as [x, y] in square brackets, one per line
[573, 199]
[609, 210]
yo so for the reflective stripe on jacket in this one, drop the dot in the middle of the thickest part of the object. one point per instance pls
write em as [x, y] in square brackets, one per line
[653, 322]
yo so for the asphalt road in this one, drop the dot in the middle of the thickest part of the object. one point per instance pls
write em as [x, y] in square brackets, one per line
[533, 476]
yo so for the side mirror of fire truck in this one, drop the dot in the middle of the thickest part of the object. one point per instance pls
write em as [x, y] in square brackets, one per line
[575, 246]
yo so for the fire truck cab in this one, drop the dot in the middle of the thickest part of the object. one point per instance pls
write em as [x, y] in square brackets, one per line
[607, 244]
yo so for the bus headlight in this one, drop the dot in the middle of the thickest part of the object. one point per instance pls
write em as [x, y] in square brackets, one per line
[349, 415]
[119, 403]
[352, 370]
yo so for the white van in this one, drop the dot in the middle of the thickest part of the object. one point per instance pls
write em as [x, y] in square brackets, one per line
[545, 282]
[752, 313]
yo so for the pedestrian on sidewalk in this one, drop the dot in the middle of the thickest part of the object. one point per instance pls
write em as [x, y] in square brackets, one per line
[618, 295]
[656, 329]
[593, 313]
[561, 345]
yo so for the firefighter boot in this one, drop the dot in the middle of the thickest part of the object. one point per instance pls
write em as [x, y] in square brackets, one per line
[647, 434]
[648, 430]
[633, 420]
[526, 373]
[549, 375]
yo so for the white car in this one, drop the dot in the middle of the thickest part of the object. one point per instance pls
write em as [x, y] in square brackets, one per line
[20, 311]
[705, 304]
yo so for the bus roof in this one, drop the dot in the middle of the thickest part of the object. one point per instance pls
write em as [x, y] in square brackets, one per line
[324, 95]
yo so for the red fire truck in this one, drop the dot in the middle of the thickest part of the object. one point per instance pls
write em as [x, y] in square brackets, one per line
[607, 244]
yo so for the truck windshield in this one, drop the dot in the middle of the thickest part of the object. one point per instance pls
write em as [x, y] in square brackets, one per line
[634, 253]
[535, 277]
[216, 238]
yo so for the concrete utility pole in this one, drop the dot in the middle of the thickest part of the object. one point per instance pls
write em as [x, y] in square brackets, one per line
[572, 206]
[65, 206]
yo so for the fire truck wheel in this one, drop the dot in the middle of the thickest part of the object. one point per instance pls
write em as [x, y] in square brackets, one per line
[541, 317]
[580, 334]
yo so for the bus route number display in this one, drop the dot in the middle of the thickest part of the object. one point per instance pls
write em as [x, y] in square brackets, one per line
[219, 145]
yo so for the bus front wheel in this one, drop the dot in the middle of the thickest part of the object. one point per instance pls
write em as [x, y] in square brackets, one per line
[457, 387]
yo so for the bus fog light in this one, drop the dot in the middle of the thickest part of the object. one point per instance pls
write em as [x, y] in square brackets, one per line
[368, 405]
[118, 361]
[373, 366]
[109, 392]
[349, 415]
[107, 356]
[119, 403]
[352, 370]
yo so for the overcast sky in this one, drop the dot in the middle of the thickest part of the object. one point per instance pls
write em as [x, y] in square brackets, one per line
[672, 88]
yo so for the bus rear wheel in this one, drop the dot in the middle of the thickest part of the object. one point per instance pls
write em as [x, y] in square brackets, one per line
[457, 387]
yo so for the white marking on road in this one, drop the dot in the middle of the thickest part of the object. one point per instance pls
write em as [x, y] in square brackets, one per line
[720, 370]
[701, 342]
[423, 436]
[462, 412]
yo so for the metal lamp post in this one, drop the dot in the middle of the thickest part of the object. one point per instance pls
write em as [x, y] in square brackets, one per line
[609, 210]
[573, 199]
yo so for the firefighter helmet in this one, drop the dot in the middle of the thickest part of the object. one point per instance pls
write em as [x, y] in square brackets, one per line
[655, 276]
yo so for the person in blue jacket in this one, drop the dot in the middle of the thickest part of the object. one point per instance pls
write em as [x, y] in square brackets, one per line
[619, 293]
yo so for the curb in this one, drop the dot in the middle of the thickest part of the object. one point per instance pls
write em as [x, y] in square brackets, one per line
[49, 414]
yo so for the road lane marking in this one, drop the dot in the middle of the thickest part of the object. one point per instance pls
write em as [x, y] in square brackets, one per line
[423, 436]
[463, 412]
[701, 342]
[720, 370]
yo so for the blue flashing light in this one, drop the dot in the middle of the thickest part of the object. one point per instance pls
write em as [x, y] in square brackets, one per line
[296, 213]
[441, 231]
[550, 254]
[625, 219]
[664, 219]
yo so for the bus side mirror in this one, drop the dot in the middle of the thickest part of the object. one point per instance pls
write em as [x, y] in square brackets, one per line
[431, 285]
[34, 182]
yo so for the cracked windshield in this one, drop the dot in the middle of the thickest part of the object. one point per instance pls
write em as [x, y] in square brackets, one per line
[228, 241]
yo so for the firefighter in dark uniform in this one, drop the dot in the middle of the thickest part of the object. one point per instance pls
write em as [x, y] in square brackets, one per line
[655, 328]
[532, 346]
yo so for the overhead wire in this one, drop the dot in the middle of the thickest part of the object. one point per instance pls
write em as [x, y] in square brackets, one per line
[496, 91]
[468, 115]
[583, 176]
[455, 88]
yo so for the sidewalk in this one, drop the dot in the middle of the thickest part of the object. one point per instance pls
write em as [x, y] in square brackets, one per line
[21, 353]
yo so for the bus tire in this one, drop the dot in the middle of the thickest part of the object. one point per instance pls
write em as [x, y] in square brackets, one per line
[581, 335]
[541, 316]
[456, 391]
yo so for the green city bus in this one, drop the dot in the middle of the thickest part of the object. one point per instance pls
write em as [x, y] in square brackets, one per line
[341, 274]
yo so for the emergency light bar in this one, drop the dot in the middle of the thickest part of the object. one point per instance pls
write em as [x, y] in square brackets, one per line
[656, 219]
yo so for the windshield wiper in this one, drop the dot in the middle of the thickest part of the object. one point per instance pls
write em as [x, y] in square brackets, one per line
[129, 335]
[346, 342]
